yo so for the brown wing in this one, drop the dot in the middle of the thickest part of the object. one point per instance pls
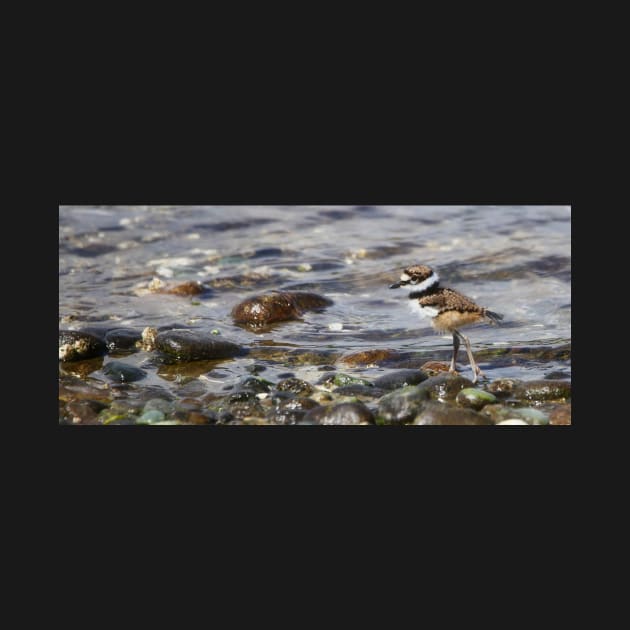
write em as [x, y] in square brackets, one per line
[446, 299]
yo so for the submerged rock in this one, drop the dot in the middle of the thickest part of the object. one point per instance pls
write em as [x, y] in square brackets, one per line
[400, 378]
[255, 384]
[193, 345]
[432, 368]
[370, 357]
[186, 288]
[277, 306]
[352, 413]
[122, 373]
[75, 345]
[439, 414]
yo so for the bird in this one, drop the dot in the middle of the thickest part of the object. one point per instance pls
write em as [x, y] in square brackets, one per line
[448, 309]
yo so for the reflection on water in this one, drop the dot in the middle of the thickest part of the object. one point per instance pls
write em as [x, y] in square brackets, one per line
[515, 260]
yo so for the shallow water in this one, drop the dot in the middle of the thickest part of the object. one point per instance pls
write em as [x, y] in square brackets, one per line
[515, 260]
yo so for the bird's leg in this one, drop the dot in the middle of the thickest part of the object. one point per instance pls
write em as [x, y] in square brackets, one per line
[475, 368]
[452, 367]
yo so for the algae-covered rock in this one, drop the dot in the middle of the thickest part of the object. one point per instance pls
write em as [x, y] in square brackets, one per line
[474, 398]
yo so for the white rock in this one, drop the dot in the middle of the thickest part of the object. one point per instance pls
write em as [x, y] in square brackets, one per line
[513, 422]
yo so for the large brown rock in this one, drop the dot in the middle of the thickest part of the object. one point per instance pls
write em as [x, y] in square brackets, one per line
[277, 306]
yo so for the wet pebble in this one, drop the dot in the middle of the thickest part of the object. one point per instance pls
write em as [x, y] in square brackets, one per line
[118, 413]
[440, 414]
[353, 413]
[445, 386]
[158, 404]
[295, 386]
[503, 387]
[291, 411]
[255, 384]
[402, 405]
[244, 395]
[278, 306]
[122, 339]
[543, 390]
[77, 346]
[339, 379]
[120, 372]
[400, 378]
[186, 289]
[151, 417]
[192, 345]
[84, 411]
[474, 398]
[247, 410]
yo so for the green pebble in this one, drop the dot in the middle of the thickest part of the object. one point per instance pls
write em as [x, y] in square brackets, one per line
[344, 379]
[475, 398]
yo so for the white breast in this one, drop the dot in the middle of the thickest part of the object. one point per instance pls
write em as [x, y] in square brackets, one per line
[423, 311]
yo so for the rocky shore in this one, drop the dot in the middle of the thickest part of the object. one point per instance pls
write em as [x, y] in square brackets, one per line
[99, 386]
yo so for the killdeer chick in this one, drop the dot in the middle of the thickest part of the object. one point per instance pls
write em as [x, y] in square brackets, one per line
[448, 309]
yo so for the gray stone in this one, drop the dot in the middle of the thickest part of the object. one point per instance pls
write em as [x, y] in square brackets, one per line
[402, 405]
[400, 378]
[193, 345]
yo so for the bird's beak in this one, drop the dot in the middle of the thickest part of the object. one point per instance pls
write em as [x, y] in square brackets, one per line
[395, 285]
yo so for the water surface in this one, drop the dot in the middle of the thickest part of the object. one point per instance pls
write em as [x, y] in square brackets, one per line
[515, 260]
